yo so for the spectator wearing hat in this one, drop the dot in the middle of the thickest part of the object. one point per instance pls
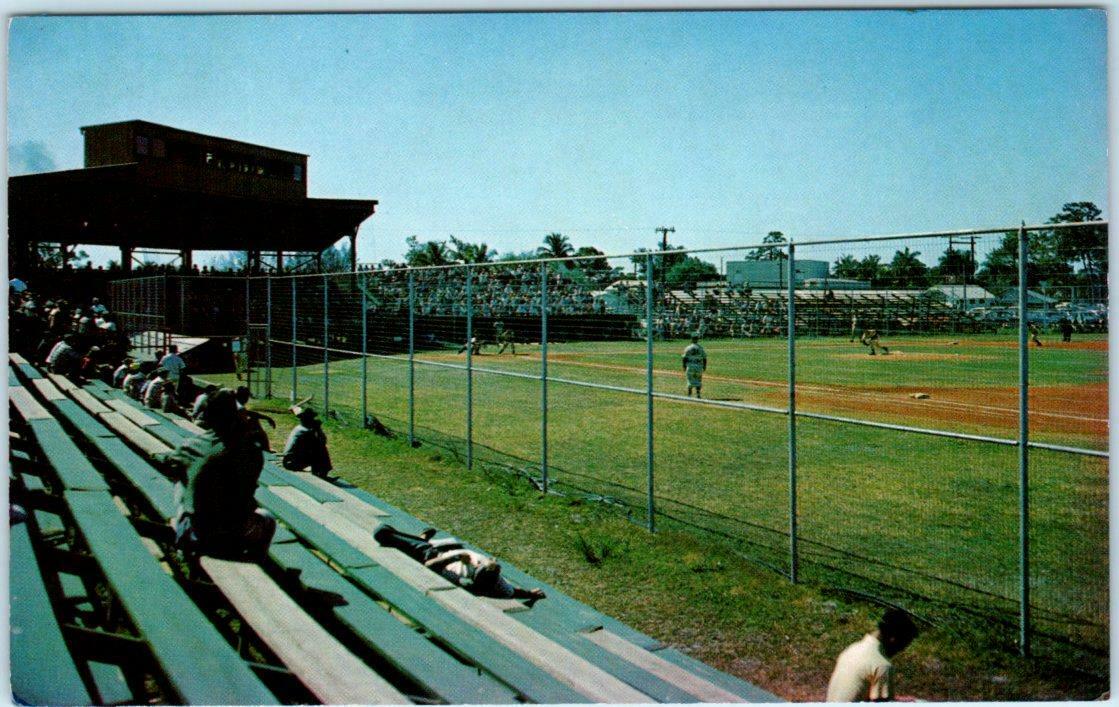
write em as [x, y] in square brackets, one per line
[863, 671]
[306, 446]
[121, 373]
[218, 473]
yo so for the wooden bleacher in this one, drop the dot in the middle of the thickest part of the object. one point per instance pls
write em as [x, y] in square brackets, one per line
[105, 612]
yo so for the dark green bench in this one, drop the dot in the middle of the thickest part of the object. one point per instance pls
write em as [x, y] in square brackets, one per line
[72, 467]
[403, 647]
[43, 671]
[199, 665]
[528, 679]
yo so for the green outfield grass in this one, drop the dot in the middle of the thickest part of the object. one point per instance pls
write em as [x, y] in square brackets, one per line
[932, 516]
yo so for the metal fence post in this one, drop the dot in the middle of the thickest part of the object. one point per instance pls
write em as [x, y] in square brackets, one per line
[544, 375]
[326, 345]
[793, 556]
[248, 335]
[469, 368]
[649, 389]
[268, 339]
[294, 347]
[364, 355]
[411, 359]
[1023, 443]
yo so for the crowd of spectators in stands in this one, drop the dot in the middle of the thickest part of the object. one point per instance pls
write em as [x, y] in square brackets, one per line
[512, 290]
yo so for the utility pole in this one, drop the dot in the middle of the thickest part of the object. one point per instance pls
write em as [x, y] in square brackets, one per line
[664, 231]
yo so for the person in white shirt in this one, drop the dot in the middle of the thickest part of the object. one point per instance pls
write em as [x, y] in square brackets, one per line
[173, 364]
[863, 671]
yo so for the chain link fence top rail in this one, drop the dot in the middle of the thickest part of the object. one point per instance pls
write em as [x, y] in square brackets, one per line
[901, 472]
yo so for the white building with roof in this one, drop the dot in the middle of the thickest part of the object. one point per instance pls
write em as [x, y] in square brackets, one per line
[965, 296]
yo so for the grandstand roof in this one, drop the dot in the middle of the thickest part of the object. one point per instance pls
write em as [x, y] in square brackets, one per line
[115, 206]
[972, 292]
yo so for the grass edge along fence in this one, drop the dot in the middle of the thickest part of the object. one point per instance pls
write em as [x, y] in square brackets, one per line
[295, 320]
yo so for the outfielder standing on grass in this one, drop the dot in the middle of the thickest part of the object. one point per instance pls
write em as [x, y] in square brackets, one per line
[695, 363]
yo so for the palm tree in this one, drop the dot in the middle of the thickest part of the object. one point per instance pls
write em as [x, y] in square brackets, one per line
[464, 252]
[846, 267]
[907, 270]
[556, 245]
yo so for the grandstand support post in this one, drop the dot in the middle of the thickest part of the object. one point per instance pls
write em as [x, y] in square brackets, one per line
[411, 359]
[1023, 444]
[294, 350]
[248, 334]
[268, 339]
[364, 356]
[182, 305]
[544, 375]
[793, 556]
[649, 389]
[469, 368]
[326, 345]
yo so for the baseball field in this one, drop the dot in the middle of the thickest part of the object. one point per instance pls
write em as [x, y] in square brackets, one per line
[929, 521]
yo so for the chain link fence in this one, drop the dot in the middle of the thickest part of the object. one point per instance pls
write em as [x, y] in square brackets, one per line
[863, 421]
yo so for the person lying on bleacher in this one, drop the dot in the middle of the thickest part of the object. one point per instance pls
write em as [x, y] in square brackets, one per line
[306, 445]
[218, 473]
[470, 570]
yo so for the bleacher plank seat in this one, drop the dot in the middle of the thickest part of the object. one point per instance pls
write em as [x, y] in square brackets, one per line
[402, 646]
[62, 382]
[16, 358]
[89, 402]
[134, 415]
[200, 666]
[700, 689]
[47, 389]
[29, 408]
[72, 467]
[43, 671]
[135, 434]
[188, 426]
[567, 667]
[275, 475]
[331, 672]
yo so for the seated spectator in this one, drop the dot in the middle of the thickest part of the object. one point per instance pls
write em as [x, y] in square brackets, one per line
[200, 401]
[173, 363]
[155, 389]
[64, 358]
[121, 373]
[470, 570]
[306, 446]
[218, 473]
[133, 383]
[863, 671]
[252, 418]
[91, 365]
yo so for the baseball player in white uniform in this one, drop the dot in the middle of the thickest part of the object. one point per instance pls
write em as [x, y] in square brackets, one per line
[695, 363]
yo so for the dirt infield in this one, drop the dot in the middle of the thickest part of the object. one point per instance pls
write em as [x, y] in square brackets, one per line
[1098, 345]
[1079, 410]
[899, 355]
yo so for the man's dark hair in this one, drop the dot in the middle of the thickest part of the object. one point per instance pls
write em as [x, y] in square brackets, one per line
[243, 394]
[220, 414]
[896, 630]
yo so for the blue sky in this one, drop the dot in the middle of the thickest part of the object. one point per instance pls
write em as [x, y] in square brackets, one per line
[602, 126]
